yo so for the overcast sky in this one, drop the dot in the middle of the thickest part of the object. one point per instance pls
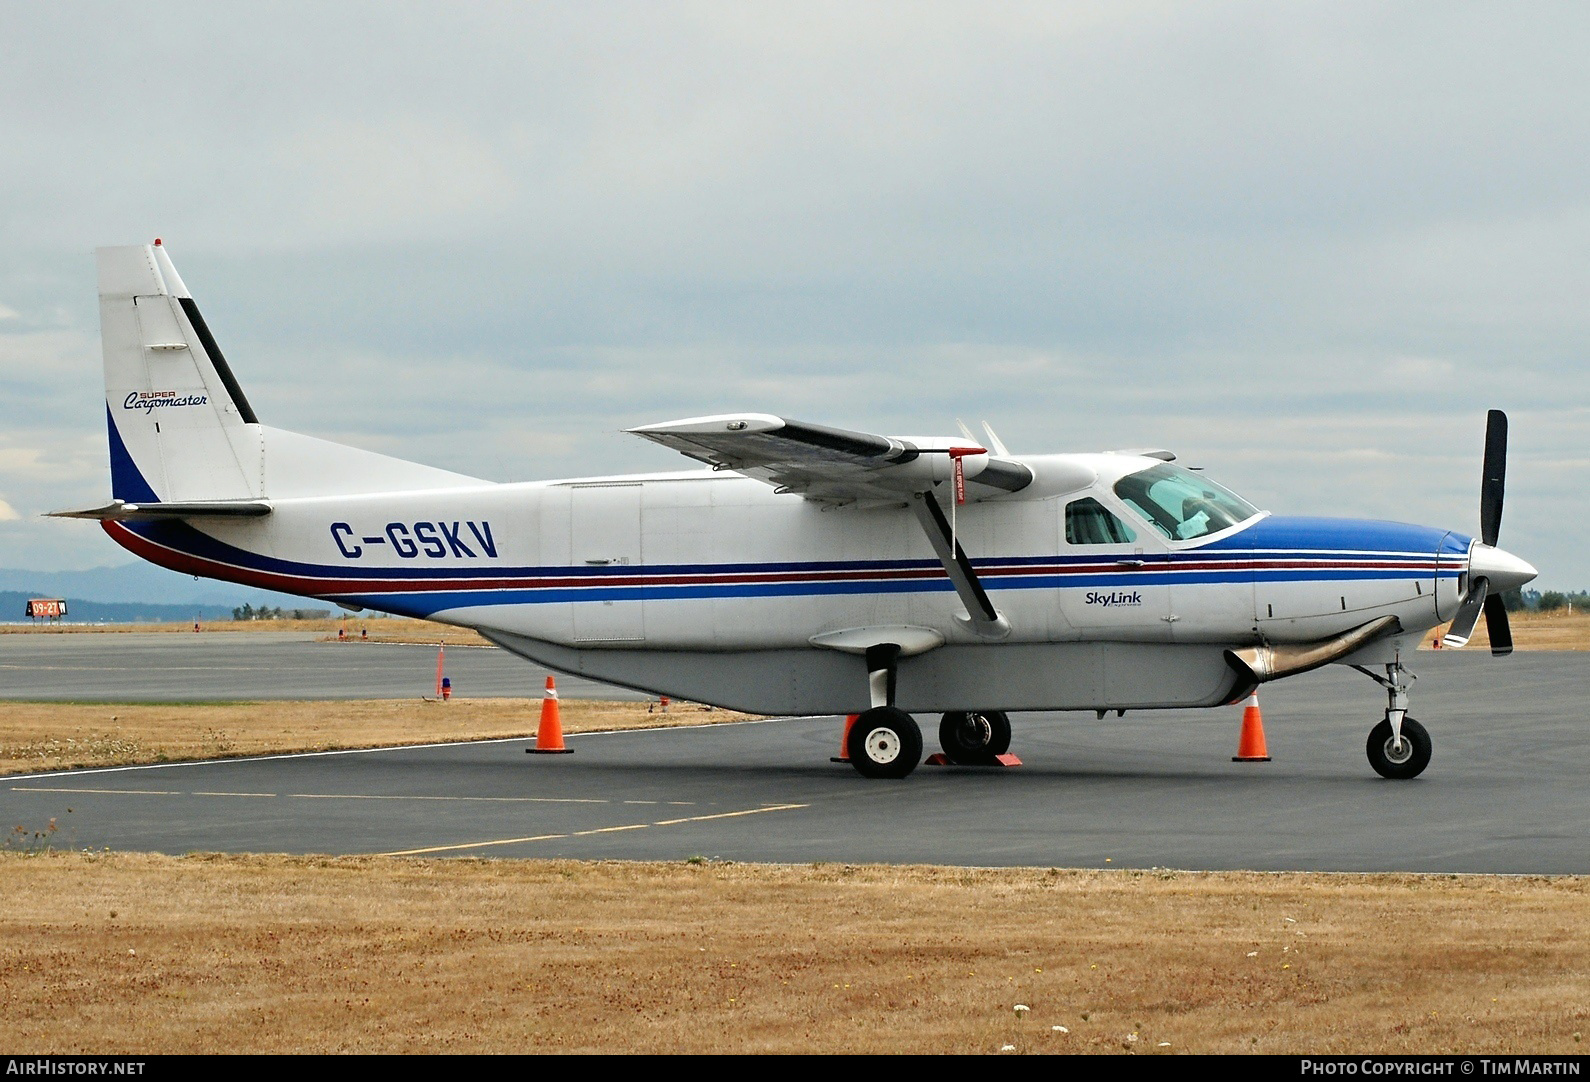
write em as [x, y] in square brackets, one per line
[1305, 246]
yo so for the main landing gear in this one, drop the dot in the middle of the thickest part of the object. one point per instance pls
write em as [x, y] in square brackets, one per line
[974, 737]
[1399, 747]
[886, 742]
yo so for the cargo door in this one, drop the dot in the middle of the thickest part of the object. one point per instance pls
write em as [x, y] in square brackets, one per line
[605, 531]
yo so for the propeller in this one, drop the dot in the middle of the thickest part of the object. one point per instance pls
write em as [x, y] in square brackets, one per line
[1491, 570]
[1493, 476]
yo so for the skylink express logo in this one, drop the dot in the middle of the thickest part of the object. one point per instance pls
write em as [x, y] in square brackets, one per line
[1114, 598]
[149, 401]
[410, 540]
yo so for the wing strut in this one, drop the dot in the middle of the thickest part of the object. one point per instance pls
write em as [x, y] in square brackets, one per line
[985, 619]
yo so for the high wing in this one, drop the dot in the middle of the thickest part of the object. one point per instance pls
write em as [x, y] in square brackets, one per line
[834, 465]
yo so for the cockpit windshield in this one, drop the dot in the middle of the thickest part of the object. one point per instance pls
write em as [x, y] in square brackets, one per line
[1181, 504]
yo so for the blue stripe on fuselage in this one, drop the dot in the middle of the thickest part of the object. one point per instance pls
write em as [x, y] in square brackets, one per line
[1296, 533]
[1326, 545]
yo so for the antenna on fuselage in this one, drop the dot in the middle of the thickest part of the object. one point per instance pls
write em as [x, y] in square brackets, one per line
[995, 442]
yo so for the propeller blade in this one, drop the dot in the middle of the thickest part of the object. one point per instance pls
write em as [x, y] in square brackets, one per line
[1468, 614]
[1496, 625]
[1494, 477]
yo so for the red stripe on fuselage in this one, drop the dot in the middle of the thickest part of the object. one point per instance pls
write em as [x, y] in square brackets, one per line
[317, 585]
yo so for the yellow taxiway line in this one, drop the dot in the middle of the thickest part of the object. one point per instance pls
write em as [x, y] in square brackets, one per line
[585, 833]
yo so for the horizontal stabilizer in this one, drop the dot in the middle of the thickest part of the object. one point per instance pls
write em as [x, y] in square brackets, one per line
[122, 511]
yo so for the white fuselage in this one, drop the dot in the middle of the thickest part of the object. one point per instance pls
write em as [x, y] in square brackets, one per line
[712, 586]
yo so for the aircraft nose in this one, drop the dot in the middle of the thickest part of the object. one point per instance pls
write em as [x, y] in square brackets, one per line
[1504, 570]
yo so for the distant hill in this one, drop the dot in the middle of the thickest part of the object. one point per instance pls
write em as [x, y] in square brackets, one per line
[143, 584]
[13, 608]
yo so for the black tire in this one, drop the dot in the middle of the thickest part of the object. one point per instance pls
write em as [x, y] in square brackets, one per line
[974, 737]
[885, 743]
[1388, 761]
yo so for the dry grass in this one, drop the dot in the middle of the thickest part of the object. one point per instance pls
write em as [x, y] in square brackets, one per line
[1531, 631]
[129, 953]
[1542, 631]
[412, 631]
[384, 629]
[52, 736]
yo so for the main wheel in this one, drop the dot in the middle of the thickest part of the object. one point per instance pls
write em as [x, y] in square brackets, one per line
[1391, 761]
[885, 743]
[974, 737]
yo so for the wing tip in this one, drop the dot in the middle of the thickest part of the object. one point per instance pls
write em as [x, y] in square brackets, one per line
[721, 422]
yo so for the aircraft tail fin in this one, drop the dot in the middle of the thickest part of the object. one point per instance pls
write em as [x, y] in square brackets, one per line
[182, 431]
[180, 427]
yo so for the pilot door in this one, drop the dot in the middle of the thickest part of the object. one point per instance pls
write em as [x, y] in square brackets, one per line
[1116, 582]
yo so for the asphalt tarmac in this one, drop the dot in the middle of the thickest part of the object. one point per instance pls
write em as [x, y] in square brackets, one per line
[1505, 792]
[250, 666]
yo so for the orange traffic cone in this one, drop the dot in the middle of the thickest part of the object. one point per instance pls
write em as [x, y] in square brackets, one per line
[549, 737]
[1250, 746]
[844, 740]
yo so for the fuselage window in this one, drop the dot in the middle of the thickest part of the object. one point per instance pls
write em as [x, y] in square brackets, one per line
[1089, 522]
[1182, 504]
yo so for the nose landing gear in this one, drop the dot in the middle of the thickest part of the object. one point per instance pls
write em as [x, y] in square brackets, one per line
[1399, 747]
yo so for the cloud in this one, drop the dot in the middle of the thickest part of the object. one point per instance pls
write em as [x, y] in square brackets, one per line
[7, 512]
[399, 179]
[1307, 245]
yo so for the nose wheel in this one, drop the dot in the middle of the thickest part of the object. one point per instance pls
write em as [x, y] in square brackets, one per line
[1399, 757]
[1398, 747]
[974, 737]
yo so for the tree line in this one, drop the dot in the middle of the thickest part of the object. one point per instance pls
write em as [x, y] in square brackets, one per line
[265, 612]
[1546, 601]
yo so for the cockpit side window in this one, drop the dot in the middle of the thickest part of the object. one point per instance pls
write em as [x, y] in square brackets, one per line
[1089, 522]
[1181, 504]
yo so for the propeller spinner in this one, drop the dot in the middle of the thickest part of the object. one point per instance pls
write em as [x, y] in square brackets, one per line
[1492, 571]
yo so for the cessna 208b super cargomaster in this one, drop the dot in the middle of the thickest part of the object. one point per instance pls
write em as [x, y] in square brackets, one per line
[809, 570]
